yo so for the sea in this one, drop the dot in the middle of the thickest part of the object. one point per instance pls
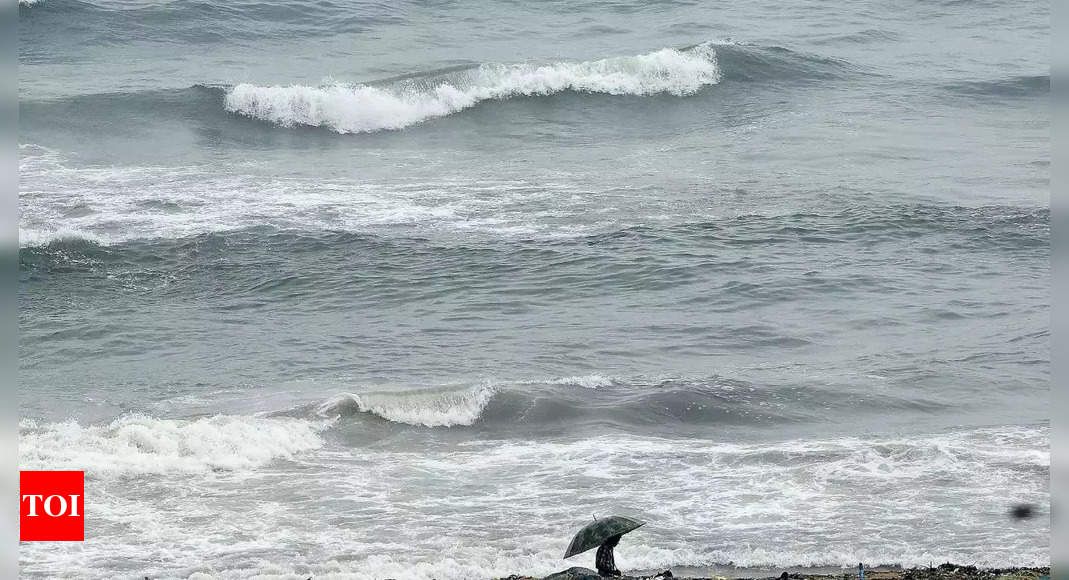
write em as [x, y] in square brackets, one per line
[357, 289]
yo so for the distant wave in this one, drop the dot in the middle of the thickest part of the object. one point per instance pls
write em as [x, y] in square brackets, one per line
[362, 109]
[867, 36]
[586, 381]
[398, 102]
[1014, 86]
[194, 22]
[991, 227]
[63, 201]
[972, 229]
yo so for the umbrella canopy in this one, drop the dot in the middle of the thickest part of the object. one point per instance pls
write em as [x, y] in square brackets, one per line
[595, 533]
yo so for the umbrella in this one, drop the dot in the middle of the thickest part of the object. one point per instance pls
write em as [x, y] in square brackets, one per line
[596, 532]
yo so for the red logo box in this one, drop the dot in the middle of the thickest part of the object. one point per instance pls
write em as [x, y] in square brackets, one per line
[51, 506]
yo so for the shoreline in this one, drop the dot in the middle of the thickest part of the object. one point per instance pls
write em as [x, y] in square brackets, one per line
[946, 571]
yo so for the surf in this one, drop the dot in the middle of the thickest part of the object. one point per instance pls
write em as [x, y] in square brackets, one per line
[358, 108]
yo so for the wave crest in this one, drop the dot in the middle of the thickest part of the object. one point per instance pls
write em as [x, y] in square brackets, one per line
[427, 408]
[349, 108]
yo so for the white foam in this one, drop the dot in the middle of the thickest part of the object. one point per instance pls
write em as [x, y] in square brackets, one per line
[487, 509]
[138, 444]
[37, 237]
[59, 199]
[349, 108]
[585, 381]
[429, 408]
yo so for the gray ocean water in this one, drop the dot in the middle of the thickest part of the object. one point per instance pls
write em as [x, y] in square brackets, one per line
[361, 289]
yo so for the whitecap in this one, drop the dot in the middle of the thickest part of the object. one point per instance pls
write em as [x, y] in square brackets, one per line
[348, 108]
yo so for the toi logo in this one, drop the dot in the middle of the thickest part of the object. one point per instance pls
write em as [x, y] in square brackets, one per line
[51, 506]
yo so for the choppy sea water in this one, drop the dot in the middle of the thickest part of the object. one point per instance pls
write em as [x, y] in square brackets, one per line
[414, 289]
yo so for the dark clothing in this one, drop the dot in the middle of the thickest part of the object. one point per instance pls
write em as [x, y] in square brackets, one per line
[604, 560]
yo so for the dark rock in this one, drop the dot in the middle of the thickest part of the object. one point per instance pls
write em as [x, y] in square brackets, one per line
[574, 573]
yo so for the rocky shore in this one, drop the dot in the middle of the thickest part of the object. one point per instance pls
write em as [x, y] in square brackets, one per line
[942, 572]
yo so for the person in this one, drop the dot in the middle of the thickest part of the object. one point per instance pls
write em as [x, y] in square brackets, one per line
[604, 560]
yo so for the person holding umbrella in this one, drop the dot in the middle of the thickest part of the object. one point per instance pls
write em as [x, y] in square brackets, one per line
[604, 561]
[605, 535]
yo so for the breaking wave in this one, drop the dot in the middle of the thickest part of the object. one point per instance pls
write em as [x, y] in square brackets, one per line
[448, 406]
[347, 108]
[136, 444]
[428, 408]
[668, 406]
[60, 240]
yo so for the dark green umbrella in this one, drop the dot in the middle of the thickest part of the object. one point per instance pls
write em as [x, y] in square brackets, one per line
[595, 533]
